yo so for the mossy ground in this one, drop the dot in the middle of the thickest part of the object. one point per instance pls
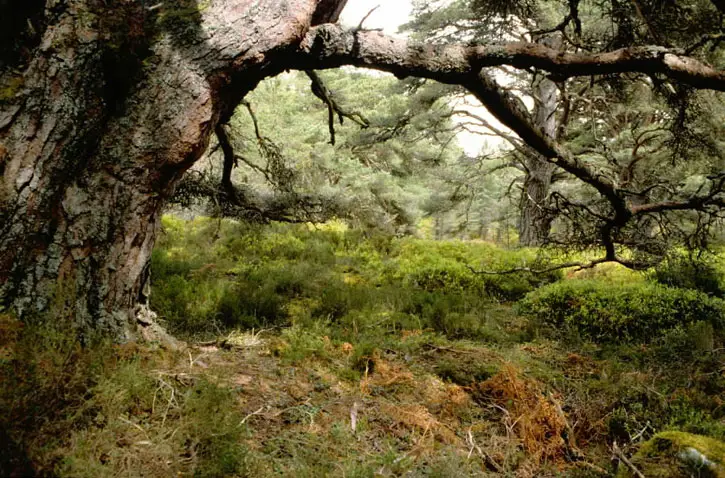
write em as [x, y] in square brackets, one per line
[323, 352]
[674, 454]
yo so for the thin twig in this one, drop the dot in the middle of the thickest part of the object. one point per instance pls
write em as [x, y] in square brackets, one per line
[135, 425]
[619, 454]
[486, 457]
[360, 26]
[433, 348]
[257, 412]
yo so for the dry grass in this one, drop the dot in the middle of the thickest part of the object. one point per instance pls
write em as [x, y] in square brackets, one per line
[385, 375]
[241, 405]
[527, 413]
[418, 418]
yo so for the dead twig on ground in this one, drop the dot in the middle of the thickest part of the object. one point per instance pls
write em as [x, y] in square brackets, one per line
[619, 454]
[256, 412]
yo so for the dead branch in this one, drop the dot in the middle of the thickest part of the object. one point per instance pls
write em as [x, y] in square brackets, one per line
[578, 265]
[621, 456]
[362, 22]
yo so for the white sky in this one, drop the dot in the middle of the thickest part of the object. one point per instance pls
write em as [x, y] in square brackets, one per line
[389, 15]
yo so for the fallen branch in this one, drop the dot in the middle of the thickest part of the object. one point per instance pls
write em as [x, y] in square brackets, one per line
[579, 266]
[620, 455]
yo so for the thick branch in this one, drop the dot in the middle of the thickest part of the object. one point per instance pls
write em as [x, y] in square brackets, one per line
[696, 203]
[330, 46]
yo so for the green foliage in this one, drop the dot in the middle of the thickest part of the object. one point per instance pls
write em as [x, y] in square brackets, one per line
[45, 376]
[350, 304]
[609, 271]
[690, 272]
[212, 420]
[376, 173]
[606, 312]
[11, 87]
[465, 372]
[298, 343]
[217, 275]
[101, 410]
[451, 266]
[399, 326]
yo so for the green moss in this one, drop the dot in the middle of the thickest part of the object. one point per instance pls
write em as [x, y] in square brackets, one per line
[674, 454]
[182, 13]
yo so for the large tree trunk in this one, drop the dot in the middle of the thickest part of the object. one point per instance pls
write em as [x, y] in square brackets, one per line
[102, 109]
[535, 219]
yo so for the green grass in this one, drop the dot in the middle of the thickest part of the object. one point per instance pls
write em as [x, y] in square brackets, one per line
[304, 327]
[211, 275]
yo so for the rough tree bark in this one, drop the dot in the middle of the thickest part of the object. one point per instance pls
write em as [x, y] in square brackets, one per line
[99, 119]
[104, 105]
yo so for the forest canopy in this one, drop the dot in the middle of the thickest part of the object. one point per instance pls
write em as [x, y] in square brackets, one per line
[625, 162]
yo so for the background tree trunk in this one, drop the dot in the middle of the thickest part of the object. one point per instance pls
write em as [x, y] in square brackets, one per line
[102, 109]
[535, 220]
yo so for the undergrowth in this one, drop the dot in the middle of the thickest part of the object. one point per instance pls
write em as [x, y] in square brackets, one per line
[212, 275]
[607, 312]
[321, 351]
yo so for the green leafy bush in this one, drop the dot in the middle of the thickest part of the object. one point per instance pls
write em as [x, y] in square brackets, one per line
[209, 276]
[613, 312]
[696, 273]
[449, 266]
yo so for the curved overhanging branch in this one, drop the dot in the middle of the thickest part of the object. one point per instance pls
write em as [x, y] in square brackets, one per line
[328, 46]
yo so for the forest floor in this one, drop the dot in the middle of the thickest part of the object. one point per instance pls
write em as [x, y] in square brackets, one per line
[317, 355]
[432, 407]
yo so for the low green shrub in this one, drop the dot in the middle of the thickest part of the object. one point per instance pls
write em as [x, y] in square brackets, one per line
[702, 273]
[209, 276]
[300, 343]
[450, 266]
[45, 376]
[608, 312]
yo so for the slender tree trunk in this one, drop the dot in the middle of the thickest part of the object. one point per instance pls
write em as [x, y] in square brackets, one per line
[102, 109]
[534, 220]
